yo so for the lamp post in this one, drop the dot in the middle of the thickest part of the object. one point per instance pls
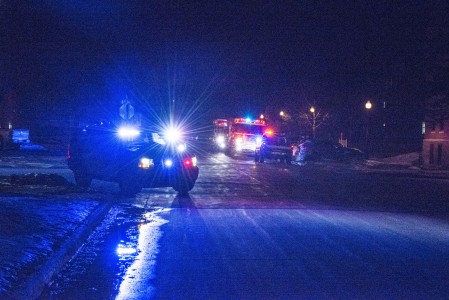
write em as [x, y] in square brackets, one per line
[368, 106]
[312, 110]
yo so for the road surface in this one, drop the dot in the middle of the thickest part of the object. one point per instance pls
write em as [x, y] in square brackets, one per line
[269, 231]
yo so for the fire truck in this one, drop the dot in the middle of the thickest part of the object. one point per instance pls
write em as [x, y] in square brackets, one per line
[220, 136]
[244, 136]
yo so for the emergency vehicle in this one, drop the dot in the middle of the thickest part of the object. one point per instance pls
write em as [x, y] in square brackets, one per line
[220, 137]
[245, 135]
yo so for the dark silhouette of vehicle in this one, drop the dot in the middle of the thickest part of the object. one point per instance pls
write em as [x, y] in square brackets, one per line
[274, 147]
[324, 150]
[97, 152]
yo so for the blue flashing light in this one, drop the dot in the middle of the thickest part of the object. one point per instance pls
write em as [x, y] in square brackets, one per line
[172, 135]
[248, 120]
[128, 132]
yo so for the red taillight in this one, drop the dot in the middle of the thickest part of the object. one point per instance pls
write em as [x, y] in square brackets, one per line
[190, 162]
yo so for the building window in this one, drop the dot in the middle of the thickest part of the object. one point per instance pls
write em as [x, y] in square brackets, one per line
[431, 155]
[440, 154]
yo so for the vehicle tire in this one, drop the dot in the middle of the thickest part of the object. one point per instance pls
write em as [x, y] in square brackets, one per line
[356, 160]
[261, 159]
[82, 179]
[183, 188]
[232, 153]
[256, 157]
[228, 152]
[129, 185]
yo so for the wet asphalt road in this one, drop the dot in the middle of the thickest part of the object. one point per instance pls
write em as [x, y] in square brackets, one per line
[264, 231]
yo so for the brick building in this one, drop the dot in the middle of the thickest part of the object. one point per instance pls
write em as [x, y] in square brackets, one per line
[435, 152]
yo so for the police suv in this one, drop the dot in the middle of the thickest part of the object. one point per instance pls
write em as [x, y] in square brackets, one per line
[132, 158]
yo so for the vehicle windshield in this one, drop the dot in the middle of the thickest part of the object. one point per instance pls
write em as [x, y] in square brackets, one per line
[276, 140]
[220, 130]
[249, 128]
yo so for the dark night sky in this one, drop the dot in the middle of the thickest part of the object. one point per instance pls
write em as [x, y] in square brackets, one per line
[221, 58]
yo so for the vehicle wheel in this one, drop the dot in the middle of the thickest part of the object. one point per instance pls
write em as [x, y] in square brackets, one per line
[261, 159]
[82, 179]
[356, 160]
[229, 152]
[256, 157]
[183, 188]
[129, 185]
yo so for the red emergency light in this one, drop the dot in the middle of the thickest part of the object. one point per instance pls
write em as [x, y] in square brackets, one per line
[259, 122]
[221, 122]
[269, 132]
[247, 121]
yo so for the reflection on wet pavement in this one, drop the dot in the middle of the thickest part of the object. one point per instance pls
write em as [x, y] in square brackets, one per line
[104, 261]
[138, 277]
[111, 261]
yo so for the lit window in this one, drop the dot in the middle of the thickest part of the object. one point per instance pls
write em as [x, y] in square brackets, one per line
[434, 126]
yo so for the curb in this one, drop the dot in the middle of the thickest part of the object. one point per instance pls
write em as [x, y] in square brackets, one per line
[35, 284]
[407, 173]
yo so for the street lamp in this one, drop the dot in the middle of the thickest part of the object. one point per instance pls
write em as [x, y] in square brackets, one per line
[312, 110]
[368, 106]
[281, 113]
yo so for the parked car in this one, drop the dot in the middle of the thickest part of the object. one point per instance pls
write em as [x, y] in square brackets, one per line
[13, 138]
[310, 150]
[133, 159]
[274, 146]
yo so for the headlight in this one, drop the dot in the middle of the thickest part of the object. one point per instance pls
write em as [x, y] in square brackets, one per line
[145, 163]
[258, 141]
[168, 162]
[181, 148]
[128, 132]
[239, 140]
[220, 139]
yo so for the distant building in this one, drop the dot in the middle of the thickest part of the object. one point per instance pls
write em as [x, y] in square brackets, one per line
[8, 111]
[435, 151]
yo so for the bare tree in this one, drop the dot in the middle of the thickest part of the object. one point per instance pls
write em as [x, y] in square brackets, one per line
[313, 118]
